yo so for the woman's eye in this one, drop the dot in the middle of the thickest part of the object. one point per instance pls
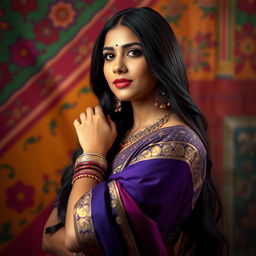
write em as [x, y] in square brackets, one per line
[108, 56]
[135, 52]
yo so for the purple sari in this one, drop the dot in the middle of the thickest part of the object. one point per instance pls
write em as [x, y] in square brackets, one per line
[153, 187]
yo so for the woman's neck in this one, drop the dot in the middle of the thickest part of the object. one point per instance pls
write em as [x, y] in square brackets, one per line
[145, 114]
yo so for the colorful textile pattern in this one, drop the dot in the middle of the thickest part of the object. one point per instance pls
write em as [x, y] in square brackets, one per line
[45, 49]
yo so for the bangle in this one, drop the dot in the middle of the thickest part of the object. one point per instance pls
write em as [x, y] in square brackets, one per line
[93, 154]
[88, 173]
[91, 157]
[89, 163]
[85, 176]
[92, 167]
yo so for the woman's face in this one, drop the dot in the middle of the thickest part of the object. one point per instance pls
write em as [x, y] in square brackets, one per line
[125, 67]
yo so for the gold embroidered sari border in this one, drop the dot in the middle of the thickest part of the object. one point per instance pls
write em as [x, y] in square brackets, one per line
[169, 150]
[121, 219]
[84, 225]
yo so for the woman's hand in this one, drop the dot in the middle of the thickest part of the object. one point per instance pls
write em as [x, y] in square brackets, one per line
[95, 133]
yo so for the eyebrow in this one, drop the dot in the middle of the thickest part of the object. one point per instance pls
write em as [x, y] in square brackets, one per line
[124, 46]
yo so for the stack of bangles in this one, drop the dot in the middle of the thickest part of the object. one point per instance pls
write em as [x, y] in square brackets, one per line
[90, 165]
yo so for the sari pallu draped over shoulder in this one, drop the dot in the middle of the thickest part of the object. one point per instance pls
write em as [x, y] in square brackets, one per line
[153, 187]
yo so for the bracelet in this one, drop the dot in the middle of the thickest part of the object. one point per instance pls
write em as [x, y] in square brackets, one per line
[94, 154]
[87, 174]
[89, 163]
[92, 167]
[91, 157]
[88, 171]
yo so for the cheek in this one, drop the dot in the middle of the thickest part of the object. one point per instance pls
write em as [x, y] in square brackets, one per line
[143, 70]
[147, 76]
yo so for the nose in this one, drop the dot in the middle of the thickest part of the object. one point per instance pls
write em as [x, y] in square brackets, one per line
[119, 66]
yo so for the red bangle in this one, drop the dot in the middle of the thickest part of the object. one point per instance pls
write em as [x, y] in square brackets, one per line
[85, 176]
[89, 174]
[96, 168]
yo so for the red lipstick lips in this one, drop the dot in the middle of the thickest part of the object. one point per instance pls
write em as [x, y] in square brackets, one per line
[122, 83]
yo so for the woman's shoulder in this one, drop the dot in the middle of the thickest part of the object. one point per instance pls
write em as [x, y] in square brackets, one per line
[179, 140]
[178, 133]
[175, 130]
[176, 141]
[179, 143]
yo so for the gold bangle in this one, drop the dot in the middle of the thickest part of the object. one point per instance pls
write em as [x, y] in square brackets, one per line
[92, 157]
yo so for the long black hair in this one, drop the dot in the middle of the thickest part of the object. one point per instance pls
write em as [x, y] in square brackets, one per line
[200, 231]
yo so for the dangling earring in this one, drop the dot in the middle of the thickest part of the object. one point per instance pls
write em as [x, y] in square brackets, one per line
[162, 98]
[118, 106]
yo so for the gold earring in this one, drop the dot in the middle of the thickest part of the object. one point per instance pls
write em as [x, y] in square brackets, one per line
[162, 98]
[118, 105]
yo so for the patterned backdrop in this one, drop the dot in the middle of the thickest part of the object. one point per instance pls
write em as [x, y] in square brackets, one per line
[45, 49]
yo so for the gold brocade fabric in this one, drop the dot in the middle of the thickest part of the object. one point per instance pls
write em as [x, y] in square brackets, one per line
[84, 226]
[121, 219]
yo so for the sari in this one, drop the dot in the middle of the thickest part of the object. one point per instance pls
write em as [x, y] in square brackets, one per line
[152, 189]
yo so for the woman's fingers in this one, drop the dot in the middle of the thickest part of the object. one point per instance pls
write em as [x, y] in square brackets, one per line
[76, 123]
[99, 111]
[83, 117]
[89, 112]
[95, 132]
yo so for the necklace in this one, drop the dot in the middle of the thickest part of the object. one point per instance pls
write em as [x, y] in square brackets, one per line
[132, 138]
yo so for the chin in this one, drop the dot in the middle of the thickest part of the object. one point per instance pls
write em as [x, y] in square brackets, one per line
[123, 97]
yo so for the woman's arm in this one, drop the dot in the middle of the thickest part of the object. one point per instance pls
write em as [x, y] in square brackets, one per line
[54, 243]
[96, 134]
[80, 187]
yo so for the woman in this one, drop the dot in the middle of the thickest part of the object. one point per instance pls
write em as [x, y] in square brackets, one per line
[153, 195]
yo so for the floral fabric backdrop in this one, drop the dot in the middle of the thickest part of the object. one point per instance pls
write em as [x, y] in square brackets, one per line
[45, 49]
